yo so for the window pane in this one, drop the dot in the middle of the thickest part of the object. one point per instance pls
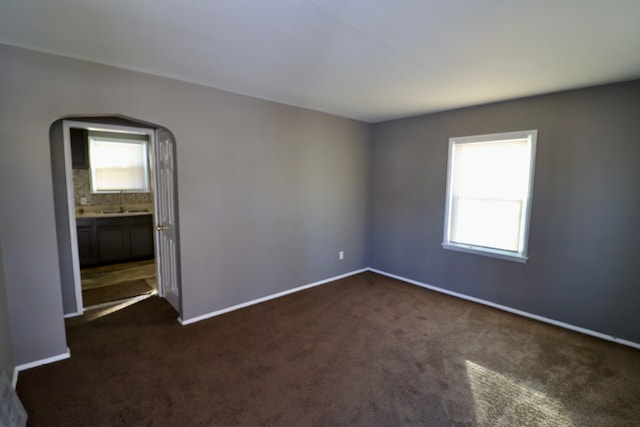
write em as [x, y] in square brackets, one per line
[489, 223]
[497, 170]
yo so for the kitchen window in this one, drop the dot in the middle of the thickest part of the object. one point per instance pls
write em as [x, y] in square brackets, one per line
[489, 185]
[118, 162]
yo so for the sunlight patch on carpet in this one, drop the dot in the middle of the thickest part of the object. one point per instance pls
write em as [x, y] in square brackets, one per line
[97, 312]
[502, 401]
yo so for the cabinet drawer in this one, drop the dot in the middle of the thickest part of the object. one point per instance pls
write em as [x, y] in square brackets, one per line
[85, 222]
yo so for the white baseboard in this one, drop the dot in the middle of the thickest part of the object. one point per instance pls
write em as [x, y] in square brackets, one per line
[76, 314]
[35, 363]
[267, 298]
[14, 378]
[512, 310]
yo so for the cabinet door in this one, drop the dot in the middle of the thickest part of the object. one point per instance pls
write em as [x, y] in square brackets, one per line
[79, 148]
[141, 233]
[87, 244]
[113, 239]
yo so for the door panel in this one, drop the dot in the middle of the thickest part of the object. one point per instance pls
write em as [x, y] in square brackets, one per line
[165, 217]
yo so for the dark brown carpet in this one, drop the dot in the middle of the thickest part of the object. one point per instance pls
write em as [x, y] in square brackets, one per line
[362, 351]
[117, 292]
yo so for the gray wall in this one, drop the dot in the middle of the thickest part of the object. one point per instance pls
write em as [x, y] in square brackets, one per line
[61, 211]
[583, 264]
[268, 193]
[6, 344]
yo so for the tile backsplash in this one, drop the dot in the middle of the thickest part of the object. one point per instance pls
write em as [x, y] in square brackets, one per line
[82, 188]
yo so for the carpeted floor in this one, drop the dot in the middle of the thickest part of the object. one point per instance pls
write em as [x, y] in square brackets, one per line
[119, 291]
[362, 351]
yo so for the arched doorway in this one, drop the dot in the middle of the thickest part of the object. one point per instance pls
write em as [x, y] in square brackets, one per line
[163, 185]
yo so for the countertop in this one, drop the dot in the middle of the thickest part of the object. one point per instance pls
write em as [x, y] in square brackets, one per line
[110, 211]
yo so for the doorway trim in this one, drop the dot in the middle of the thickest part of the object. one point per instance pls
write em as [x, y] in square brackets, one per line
[148, 130]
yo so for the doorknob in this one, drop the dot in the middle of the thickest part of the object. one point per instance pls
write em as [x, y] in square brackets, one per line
[161, 227]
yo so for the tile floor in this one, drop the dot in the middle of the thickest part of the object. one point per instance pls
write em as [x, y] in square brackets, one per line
[105, 275]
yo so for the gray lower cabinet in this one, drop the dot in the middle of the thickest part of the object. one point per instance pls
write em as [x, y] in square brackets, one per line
[114, 239]
[87, 241]
[141, 236]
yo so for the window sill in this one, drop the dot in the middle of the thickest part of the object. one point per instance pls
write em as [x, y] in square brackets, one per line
[479, 250]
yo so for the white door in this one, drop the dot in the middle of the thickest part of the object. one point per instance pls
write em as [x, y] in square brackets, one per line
[165, 219]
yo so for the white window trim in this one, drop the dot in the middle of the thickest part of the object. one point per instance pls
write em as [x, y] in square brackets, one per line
[145, 149]
[521, 256]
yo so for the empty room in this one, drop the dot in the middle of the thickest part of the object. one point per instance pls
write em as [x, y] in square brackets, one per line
[319, 213]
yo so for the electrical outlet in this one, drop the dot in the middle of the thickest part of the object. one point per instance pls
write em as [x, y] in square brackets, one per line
[83, 201]
[341, 255]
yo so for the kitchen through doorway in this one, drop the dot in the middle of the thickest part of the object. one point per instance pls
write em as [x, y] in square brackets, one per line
[116, 211]
[113, 204]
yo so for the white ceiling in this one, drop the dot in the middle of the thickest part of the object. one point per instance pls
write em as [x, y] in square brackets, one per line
[366, 59]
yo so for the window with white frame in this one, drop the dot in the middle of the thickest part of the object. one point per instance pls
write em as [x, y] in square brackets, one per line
[489, 185]
[118, 163]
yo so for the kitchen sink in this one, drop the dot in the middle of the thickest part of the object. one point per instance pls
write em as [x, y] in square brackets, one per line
[118, 211]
